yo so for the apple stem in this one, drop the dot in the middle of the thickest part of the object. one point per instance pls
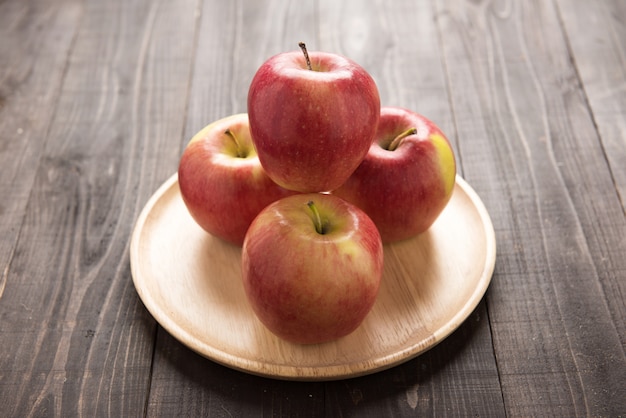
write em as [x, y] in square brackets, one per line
[240, 152]
[306, 55]
[317, 219]
[396, 141]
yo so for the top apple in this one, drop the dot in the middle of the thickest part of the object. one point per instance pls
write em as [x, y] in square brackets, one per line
[313, 117]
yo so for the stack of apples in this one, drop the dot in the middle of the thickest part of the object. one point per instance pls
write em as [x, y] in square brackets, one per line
[312, 182]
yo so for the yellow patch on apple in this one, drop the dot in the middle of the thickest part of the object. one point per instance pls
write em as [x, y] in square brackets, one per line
[348, 248]
[446, 160]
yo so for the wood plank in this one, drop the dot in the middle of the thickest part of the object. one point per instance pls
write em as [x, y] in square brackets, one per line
[226, 57]
[34, 43]
[400, 47]
[597, 39]
[596, 33]
[529, 145]
[80, 342]
[186, 384]
[452, 379]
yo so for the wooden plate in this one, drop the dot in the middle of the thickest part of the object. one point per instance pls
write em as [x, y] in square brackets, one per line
[190, 282]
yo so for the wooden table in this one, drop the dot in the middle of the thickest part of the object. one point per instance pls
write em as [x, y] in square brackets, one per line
[99, 98]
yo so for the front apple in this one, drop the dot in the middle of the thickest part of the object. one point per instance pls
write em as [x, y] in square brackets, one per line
[403, 185]
[311, 266]
[312, 127]
[221, 180]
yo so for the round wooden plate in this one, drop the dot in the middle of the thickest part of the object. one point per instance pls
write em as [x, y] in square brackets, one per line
[190, 282]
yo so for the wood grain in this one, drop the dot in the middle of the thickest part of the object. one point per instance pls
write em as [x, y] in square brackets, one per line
[596, 36]
[185, 383]
[97, 100]
[532, 149]
[452, 379]
[603, 48]
[29, 88]
[80, 342]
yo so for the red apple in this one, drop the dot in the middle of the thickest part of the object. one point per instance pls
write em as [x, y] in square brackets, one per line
[311, 266]
[312, 126]
[221, 180]
[403, 185]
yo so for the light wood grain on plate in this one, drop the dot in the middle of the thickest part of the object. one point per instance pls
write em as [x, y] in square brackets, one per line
[190, 282]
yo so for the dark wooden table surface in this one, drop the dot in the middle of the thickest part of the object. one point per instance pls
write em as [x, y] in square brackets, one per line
[98, 99]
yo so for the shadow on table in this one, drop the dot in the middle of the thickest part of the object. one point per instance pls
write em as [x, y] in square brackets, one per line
[461, 369]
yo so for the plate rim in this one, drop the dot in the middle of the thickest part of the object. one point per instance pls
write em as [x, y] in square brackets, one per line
[313, 373]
